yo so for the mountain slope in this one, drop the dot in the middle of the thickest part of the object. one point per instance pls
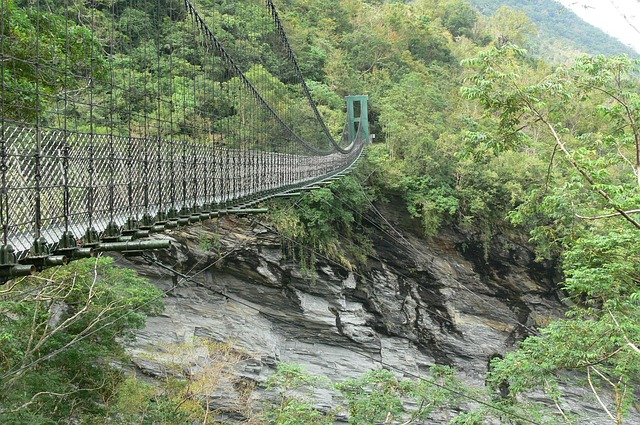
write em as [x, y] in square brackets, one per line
[559, 29]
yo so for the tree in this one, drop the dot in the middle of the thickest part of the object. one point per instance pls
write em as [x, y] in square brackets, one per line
[323, 222]
[600, 335]
[459, 17]
[599, 158]
[381, 397]
[28, 32]
[58, 332]
[599, 178]
[508, 25]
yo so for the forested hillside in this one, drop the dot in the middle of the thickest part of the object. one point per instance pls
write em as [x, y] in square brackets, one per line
[560, 31]
[472, 133]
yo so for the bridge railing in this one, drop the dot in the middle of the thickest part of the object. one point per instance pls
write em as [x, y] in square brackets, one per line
[141, 114]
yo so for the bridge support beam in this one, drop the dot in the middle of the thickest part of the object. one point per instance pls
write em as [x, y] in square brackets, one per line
[68, 247]
[16, 270]
[135, 245]
[286, 195]
[9, 268]
[247, 211]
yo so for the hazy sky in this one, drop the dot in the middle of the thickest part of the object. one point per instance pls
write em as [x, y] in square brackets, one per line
[620, 18]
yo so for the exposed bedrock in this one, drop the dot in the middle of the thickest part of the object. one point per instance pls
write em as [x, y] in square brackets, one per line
[417, 303]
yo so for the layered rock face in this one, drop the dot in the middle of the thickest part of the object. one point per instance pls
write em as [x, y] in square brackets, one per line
[416, 303]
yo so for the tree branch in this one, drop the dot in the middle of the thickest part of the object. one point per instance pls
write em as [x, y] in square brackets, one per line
[629, 343]
[598, 217]
[33, 400]
[51, 393]
[597, 396]
[580, 170]
[553, 155]
[632, 122]
[560, 410]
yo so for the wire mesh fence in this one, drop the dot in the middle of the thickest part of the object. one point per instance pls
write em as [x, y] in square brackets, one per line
[113, 114]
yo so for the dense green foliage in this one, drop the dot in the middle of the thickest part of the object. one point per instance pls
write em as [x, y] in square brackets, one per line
[383, 397]
[559, 29]
[589, 115]
[380, 396]
[20, 46]
[325, 222]
[58, 334]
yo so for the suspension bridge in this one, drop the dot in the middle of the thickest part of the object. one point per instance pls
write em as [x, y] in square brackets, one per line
[120, 119]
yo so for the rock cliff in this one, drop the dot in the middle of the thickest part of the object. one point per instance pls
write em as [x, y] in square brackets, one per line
[417, 303]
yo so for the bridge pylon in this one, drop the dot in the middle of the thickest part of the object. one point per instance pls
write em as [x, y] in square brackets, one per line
[358, 115]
